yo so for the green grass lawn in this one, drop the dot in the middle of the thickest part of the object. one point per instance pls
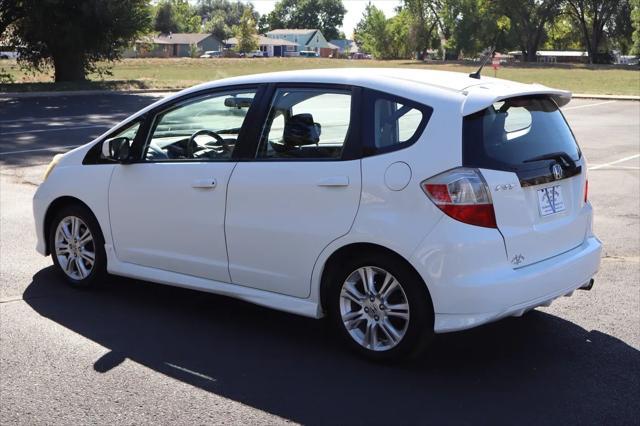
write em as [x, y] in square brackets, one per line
[179, 73]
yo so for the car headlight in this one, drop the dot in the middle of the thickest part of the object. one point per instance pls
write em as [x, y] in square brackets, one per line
[54, 162]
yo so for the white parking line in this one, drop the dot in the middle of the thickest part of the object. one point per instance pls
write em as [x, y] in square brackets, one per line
[51, 148]
[104, 126]
[622, 160]
[587, 105]
[186, 370]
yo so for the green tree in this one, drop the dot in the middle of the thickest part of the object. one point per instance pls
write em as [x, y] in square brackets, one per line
[424, 21]
[246, 33]
[220, 16]
[528, 19]
[620, 33]
[635, 22]
[371, 31]
[325, 15]
[471, 26]
[562, 34]
[177, 16]
[594, 17]
[75, 36]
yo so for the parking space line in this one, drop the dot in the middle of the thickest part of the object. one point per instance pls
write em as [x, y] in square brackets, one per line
[622, 160]
[588, 105]
[51, 148]
[104, 126]
[186, 370]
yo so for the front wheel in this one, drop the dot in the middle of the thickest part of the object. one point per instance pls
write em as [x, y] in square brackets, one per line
[380, 307]
[77, 246]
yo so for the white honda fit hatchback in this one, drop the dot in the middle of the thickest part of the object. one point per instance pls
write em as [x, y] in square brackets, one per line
[399, 203]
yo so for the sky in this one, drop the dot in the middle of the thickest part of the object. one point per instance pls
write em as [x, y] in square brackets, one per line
[355, 9]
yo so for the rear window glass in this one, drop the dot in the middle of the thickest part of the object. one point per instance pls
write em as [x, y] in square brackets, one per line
[512, 133]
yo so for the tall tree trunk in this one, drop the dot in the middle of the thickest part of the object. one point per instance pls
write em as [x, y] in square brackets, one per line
[69, 66]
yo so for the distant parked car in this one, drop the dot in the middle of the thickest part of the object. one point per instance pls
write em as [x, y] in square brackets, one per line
[308, 54]
[255, 54]
[212, 54]
[8, 54]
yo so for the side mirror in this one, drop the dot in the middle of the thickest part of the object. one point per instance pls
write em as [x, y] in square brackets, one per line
[117, 149]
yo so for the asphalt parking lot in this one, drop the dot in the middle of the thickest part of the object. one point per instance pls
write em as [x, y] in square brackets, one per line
[134, 352]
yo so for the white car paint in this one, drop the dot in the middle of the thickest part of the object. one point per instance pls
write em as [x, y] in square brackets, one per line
[272, 226]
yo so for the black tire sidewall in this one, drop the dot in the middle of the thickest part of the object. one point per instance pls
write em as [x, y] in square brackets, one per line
[420, 329]
[100, 266]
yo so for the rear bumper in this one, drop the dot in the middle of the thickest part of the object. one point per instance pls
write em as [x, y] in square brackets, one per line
[472, 289]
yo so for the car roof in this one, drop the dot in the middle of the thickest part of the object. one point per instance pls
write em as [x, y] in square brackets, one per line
[470, 94]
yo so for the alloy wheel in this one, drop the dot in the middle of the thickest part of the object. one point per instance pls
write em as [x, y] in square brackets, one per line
[374, 308]
[74, 246]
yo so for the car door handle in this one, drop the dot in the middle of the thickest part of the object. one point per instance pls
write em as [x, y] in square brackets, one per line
[334, 181]
[204, 183]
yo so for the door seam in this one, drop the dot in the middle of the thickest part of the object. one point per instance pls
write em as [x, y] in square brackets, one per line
[224, 222]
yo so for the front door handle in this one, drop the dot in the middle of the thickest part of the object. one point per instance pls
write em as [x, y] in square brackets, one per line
[334, 181]
[204, 183]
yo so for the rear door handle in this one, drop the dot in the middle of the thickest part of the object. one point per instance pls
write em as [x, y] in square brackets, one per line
[204, 183]
[334, 181]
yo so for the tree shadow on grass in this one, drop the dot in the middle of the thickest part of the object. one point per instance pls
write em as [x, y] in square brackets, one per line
[535, 369]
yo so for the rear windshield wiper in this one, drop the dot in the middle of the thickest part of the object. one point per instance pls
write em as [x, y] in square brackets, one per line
[563, 158]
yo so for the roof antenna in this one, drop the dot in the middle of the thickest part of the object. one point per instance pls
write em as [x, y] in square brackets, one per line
[476, 74]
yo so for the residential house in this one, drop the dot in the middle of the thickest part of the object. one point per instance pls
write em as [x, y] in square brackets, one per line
[305, 40]
[269, 46]
[345, 47]
[174, 45]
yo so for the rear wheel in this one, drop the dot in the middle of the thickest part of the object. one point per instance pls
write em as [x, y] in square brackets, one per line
[380, 307]
[77, 246]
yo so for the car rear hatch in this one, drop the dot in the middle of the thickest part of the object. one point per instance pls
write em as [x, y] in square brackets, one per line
[535, 172]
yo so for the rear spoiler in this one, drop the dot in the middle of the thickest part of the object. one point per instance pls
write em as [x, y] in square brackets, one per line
[479, 97]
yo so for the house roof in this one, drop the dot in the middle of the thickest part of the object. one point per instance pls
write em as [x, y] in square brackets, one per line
[563, 53]
[266, 41]
[296, 31]
[345, 44]
[176, 38]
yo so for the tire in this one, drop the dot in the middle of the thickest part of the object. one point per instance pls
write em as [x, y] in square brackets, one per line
[382, 308]
[72, 248]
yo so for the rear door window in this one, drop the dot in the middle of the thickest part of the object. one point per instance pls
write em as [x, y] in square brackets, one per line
[516, 133]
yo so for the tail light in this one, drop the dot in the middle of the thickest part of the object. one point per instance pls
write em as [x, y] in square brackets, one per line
[586, 191]
[463, 195]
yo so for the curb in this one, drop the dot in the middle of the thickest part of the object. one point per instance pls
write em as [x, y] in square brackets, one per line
[61, 93]
[607, 97]
[161, 92]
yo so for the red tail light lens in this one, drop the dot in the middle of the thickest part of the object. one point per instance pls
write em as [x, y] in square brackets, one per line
[463, 195]
[586, 191]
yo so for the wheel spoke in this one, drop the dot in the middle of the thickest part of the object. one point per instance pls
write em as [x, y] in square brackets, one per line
[82, 269]
[68, 268]
[368, 335]
[349, 291]
[389, 289]
[353, 323]
[390, 331]
[66, 232]
[366, 275]
[85, 238]
[75, 228]
[400, 310]
[62, 248]
[88, 255]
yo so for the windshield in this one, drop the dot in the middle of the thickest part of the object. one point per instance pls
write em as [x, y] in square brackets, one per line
[512, 133]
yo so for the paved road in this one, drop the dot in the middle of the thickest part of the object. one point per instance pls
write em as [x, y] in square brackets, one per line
[134, 352]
